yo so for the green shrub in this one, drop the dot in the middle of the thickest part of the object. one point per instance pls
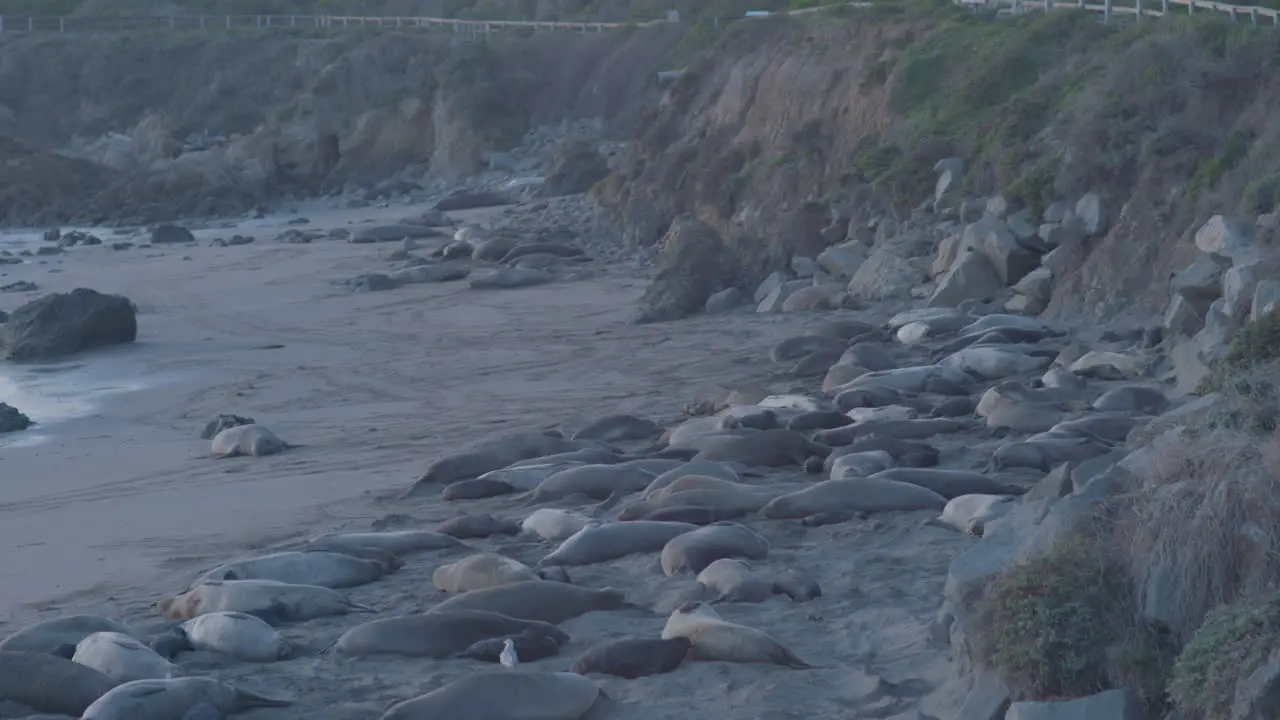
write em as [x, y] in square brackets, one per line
[1262, 194]
[1234, 641]
[1047, 627]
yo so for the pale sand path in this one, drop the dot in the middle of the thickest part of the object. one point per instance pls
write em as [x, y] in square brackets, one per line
[373, 385]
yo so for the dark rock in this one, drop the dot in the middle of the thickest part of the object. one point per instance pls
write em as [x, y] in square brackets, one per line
[468, 199]
[221, 422]
[372, 282]
[52, 235]
[66, 323]
[168, 234]
[121, 245]
[233, 241]
[12, 419]
[19, 286]
[691, 266]
[575, 166]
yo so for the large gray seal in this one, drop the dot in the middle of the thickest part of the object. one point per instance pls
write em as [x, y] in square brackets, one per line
[540, 600]
[50, 684]
[597, 543]
[948, 483]
[49, 635]
[123, 658]
[634, 657]
[714, 638]
[435, 634]
[323, 568]
[495, 454]
[858, 495]
[172, 698]
[504, 695]
[270, 600]
[768, 448]
[693, 551]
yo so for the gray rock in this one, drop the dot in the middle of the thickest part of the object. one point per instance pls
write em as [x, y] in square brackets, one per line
[1025, 305]
[892, 268]
[1184, 318]
[971, 278]
[1056, 212]
[1036, 284]
[1188, 368]
[168, 234]
[1266, 298]
[12, 419]
[575, 166]
[1092, 214]
[842, 260]
[804, 267]
[948, 249]
[1215, 337]
[1202, 280]
[63, 324]
[950, 171]
[724, 301]
[1021, 226]
[1238, 286]
[775, 280]
[1223, 237]
[972, 210]
[992, 238]
[774, 301]
[1119, 704]
[997, 206]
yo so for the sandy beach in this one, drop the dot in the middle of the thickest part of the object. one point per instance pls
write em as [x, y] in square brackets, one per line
[110, 504]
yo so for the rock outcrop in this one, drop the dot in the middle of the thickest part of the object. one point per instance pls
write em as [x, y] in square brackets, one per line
[63, 324]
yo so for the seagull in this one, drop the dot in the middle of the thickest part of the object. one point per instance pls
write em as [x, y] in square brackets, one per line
[508, 656]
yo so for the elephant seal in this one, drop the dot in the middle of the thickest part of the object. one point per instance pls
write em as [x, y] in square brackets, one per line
[435, 634]
[694, 551]
[768, 448]
[319, 567]
[619, 428]
[694, 514]
[530, 646]
[549, 248]
[860, 464]
[794, 348]
[173, 698]
[586, 456]
[725, 500]
[475, 489]
[237, 634]
[970, 513]
[50, 684]
[860, 495]
[818, 420]
[396, 542]
[948, 483]
[901, 429]
[1046, 451]
[597, 543]
[701, 468]
[122, 658]
[253, 440]
[480, 571]
[48, 635]
[714, 638]
[541, 600]
[504, 695]
[494, 454]
[597, 482]
[270, 600]
[527, 477]
[553, 524]
[478, 525]
[633, 658]
[734, 580]
[904, 452]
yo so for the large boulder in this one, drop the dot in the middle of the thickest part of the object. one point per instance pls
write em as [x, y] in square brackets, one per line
[691, 266]
[66, 323]
[12, 419]
[574, 168]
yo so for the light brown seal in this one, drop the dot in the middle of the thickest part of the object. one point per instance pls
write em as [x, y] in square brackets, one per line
[255, 440]
[694, 551]
[480, 571]
[714, 638]
[541, 600]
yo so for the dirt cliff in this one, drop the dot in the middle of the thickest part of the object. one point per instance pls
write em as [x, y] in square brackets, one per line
[789, 125]
[165, 125]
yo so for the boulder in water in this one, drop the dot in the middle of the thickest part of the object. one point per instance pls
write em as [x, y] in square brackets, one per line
[62, 324]
[12, 419]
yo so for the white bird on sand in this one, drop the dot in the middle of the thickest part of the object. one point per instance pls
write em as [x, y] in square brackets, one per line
[508, 656]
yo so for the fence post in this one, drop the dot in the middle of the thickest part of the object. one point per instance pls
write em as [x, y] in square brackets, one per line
[228, 22]
[1253, 15]
[1164, 7]
[1233, 13]
[31, 24]
[1139, 9]
[1106, 11]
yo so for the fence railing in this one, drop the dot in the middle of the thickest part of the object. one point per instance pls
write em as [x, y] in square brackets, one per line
[473, 28]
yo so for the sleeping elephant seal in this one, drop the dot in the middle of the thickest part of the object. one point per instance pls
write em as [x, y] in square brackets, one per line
[253, 440]
[50, 684]
[504, 695]
[541, 600]
[240, 635]
[694, 551]
[767, 448]
[480, 571]
[714, 638]
[948, 483]
[49, 635]
[270, 600]
[970, 513]
[173, 698]
[123, 658]
[597, 543]
[597, 482]
[434, 635]
[396, 542]
[633, 658]
[619, 428]
[702, 468]
[858, 495]
[733, 580]
[323, 568]
[495, 454]
[477, 525]
[475, 489]
[554, 524]
[531, 645]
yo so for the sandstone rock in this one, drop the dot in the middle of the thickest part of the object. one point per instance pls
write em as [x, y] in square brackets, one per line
[724, 301]
[1215, 337]
[1222, 237]
[1036, 284]
[1266, 298]
[1119, 704]
[992, 238]
[886, 275]
[1200, 280]
[168, 234]
[575, 166]
[950, 171]
[843, 260]
[971, 278]
[774, 301]
[1092, 214]
[66, 323]
[1184, 317]
[1057, 261]
[691, 266]
[813, 297]
[1056, 212]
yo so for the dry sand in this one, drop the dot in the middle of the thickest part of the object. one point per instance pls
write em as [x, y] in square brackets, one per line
[109, 511]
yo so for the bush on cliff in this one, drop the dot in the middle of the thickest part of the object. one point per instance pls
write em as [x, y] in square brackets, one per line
[1234, 641]
[1256, 344]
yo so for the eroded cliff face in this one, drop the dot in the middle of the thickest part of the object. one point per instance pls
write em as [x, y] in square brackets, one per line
[790, 133]
[169, 125]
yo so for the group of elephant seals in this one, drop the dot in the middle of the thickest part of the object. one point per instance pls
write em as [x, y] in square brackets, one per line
[270, 600]
[436, 634]
[714, 638]
[174, 698]
[254, 440]
[503, 695]
[633, 658]
[535, 600]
